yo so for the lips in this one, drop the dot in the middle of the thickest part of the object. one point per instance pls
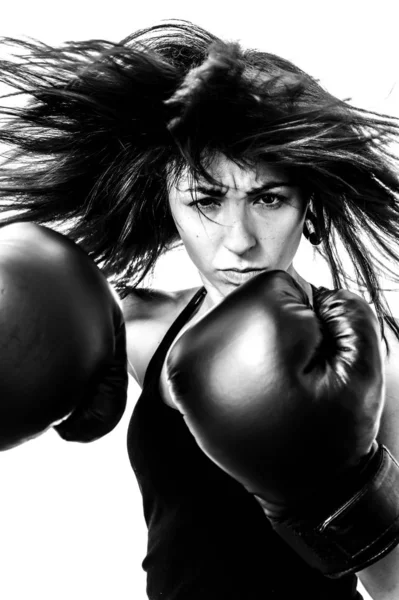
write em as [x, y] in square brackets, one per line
[238, 277]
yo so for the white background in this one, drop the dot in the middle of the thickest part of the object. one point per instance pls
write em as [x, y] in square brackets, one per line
[71, 523]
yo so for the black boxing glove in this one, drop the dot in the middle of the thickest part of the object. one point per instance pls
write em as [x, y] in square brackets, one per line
[63, 349]
[287, 399]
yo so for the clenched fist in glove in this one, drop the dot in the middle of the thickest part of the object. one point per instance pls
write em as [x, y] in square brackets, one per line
[63, 347]
[287, 399]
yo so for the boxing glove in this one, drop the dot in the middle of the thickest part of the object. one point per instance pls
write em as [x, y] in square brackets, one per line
[63, 349]
[287, 399]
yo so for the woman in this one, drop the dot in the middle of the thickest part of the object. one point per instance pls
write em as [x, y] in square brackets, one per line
[174, 136]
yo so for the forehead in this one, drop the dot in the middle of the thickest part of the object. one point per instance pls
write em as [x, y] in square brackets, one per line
[232, 176]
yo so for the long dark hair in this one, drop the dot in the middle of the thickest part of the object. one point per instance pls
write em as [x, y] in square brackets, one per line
[110, 125]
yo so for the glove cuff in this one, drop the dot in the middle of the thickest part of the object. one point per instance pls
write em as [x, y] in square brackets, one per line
[359, 532]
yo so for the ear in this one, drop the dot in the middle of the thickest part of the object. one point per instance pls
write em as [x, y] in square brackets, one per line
[309, 202]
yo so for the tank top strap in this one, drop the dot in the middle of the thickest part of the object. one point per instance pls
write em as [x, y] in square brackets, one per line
[318, 288]
[156, 362]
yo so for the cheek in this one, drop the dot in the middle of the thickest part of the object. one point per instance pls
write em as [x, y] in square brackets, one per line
[287, 233]
[198, 242]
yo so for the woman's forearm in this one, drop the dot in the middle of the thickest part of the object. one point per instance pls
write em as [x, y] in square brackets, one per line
[381, 580]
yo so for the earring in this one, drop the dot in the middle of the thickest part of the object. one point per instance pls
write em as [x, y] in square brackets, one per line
[310, 230]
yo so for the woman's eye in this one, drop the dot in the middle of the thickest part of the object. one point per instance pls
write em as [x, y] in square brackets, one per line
[267, 200]
[271, 200]
[204, 203]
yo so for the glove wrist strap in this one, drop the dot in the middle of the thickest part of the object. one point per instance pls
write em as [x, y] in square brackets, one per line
[359, 532]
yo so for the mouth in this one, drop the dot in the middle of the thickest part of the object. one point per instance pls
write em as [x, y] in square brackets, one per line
[237, 276]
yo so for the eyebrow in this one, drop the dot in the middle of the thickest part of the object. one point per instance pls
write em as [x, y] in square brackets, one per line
[220, 192]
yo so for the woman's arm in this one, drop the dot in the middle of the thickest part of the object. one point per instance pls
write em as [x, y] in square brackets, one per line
[381, 580]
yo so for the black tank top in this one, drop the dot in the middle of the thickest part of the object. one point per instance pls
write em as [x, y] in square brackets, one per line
[208, 538]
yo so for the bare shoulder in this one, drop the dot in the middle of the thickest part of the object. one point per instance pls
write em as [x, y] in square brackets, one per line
[148, 315]
[152, 305]
[143, 302]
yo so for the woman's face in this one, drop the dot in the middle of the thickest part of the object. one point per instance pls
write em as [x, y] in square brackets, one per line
[253, 221]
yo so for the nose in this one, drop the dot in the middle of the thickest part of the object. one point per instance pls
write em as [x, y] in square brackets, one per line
[239, 236]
